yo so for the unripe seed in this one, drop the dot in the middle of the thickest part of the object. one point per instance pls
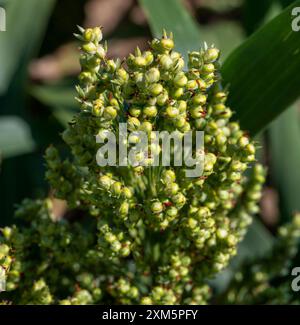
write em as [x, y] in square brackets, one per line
[135, 111]
[165, 61]
[192, 223]
[168, 176]
[146, 127]
[196, 112]
[182, 106]
[172, 212]
[221, 139]
[87, 35]
[250, 148]
[101, 52]
[90, 48]
[110, 113]
[155, 89]
[180, 80]
[122, 74]
[199, 99]
[167, 44]
[222, 233]
[180, 122]
[243, 141]
[208, 68]
[179, 199]
[186, 127]
[133, 123]
[172, 188]
[148, 57]
[124, 208]
[153, 75]
[140, 61]
[157, 207]
[150, 111]
[177, 93]
[162, 98]
[127, 192]
[191, 84]
[172, 112]
[116, 188]
[211, 55]
[105, 181]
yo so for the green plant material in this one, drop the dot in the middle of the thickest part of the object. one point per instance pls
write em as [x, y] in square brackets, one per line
[15, 137]
[263, 86]
[257, 243]
[26, 24]
[284, 135]
[22, 35]
[286, 3]
[224, 35]
[60, 98]
[221, 5]
[150, 234]
[265, 280]
[172, 15]
[254, 12]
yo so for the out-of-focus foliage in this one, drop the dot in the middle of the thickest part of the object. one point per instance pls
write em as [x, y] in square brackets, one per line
[22, 36]
[18, 44]
[261, 73]
[15, 137]
[284, 135]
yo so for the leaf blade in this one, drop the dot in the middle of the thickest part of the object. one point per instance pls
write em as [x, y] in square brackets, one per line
[19, 40]
[15, 137]
[266, 84]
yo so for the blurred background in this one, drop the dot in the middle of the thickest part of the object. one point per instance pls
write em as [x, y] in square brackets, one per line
[38, 68]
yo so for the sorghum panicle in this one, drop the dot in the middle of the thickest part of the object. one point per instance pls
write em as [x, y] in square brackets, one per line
[150, 235]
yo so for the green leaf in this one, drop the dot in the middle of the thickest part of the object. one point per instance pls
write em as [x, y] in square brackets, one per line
[26, 22]
[15, 137]
[284, 135]
[254, 13]
[285, 3]
[21, 175]
[59, 98]
[263, 73]
[55, 95]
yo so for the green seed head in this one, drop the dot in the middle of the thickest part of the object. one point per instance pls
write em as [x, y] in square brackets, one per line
[142, 233]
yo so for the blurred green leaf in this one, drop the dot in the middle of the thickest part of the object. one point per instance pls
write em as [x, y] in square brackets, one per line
[15, 137]
[59, 98]
[254, 13]
[26, 24]
[26, 21]
[55, 95]
[262, 73]
[285, 3]
[221, 6]
[284, 135]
